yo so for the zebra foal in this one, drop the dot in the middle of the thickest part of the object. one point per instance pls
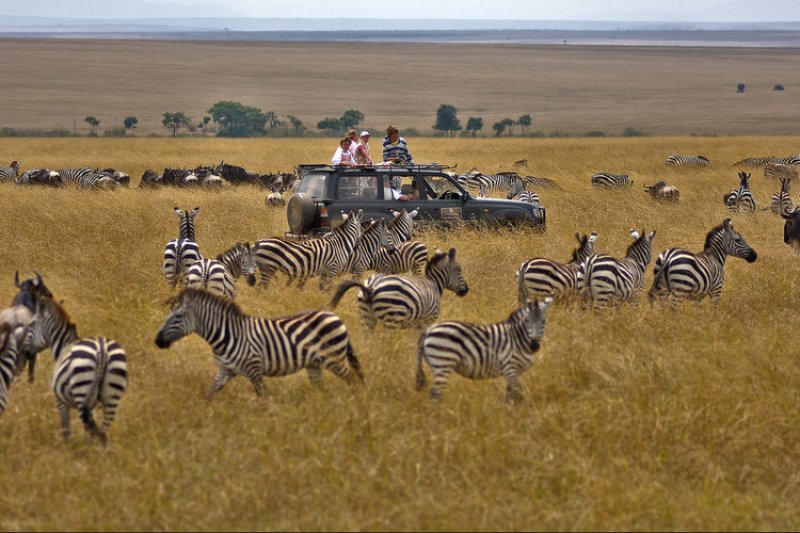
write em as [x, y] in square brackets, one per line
[483, 351]
[180, 254]
[406, 301]
[87, 372]
[543, 277]
[741, 199]
[256, 347]
[681, 274]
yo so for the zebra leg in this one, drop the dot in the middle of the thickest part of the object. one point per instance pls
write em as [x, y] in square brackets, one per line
[258, 385]
[441, 375]
[90, 424]
[222, 377]
[314, 370]
[339, 368]
[63, 411]
[31, 357]
[513, 387]
[265, 275]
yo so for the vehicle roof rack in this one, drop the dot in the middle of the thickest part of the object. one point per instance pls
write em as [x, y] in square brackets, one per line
[305, 168]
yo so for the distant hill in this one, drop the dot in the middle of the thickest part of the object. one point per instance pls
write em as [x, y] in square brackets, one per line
[110, 9]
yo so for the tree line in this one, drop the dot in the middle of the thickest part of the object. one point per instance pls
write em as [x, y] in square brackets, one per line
[234, 119]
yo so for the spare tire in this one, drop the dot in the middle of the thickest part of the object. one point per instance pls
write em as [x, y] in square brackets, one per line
[301, 213]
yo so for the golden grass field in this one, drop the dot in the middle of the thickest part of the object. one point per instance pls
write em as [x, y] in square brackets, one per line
[634, 418]
[574, 89]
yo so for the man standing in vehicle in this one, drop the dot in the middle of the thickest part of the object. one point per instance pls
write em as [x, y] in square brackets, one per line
[395, 148]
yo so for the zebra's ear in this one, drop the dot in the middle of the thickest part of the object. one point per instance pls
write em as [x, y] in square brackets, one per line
[651, 235]
[452, 253]
[178, 211]
[578, 237]
[414, 213]
[345, 216]
[727, 224]
[194, 212]
[635, 234]
[547, 302]
[395, 213]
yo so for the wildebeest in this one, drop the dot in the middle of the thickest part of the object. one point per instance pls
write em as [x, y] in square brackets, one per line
[40, 176]
[661, 192]
[238, 175]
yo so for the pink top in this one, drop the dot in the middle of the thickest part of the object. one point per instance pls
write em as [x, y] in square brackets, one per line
[361, 154]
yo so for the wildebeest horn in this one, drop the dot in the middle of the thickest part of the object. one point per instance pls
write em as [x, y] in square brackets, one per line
[16, 279]
[39, 281]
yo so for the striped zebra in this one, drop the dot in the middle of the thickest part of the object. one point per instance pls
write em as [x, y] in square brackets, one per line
[406, 301]
[40, 176]
[21, 313]
[219, 275]
[10, 172]
[406, 255]
[490, 183]
[741, 199]
[373, 238]
[181, 253]
[98, 179]
[661, 192]
[754, 162]
[326, 258]
[544, 183]
[781, 201]
[543, 277]
[682, 274]
[605, 180]
[10, 338]
[476, 351]
[518, 188]
[256, 347]
[87, 372]
[675, 160]
[74, 176]
[779, 170]
[603, 279]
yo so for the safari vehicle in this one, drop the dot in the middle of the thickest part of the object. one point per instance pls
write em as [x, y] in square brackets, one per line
[325, 192]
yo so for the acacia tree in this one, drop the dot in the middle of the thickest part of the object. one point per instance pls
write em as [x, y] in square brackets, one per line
[92, 121]
[473, 125]
[351, 118]
[204, 124]
[331, 125]
[297, 124]
[509, 124]
[525, 122]
[130, 122]
[499, 128]
[447, 120]
[175, 121]
[237, 120]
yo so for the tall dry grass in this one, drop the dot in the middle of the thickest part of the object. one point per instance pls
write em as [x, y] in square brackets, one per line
[635, 418]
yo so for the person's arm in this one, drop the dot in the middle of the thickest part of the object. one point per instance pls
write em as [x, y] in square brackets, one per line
[337, 157]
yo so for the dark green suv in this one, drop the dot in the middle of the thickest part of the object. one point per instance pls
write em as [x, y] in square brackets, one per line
[325, 192]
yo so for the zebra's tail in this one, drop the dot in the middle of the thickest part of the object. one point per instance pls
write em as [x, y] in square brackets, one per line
[347, 285]
[521, 288]
[352, 360]
[420, 372]
[659, 282]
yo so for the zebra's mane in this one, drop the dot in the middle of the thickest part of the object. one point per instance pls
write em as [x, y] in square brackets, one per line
[712, 235]
[396, 220]
[54, 308]
[576, 251]
[635, 243]
[191, 294]
[437, 258]
[228, 251]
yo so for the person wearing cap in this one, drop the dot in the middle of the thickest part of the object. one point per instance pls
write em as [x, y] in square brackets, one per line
[343, 156]
[361, 153]
[395, 148]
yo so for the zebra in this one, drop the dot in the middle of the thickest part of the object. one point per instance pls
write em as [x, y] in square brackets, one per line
[683, 274]
[21, 313]
[40, 176]
[181, 253]
[407, 301]
[473, 182]
[405, 255]
[763, 161]
[87, 370]
[661, 192]
[543, 277]
[74, 176]
[605, 180]
[781, 201]
[603, 279]
[9, 359]
[518, 188]
[10, 172]
[675, 160]
[98, 179]
[255, 347]
[741, 199]
[220, 275]
[372, 239]
[483, 351]
[779, 170]
[544, 183]
[326, 258]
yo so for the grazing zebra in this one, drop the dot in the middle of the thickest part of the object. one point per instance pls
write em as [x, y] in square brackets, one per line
[518, 188]
[256, 347]
[603, 279]
[98, 179]
[326, 258]
[74, 176]
[475, 351]
[741, 199]
[683, 274]
[407, 301]
[675, 160]
[372, 239]
[544, 183]
[779, 170]
[490, 183]
[181, 253]
[10, 338]
[605, 180]
[781, 201]
[763, 161]
[87, 371]
[661, 192]
[543, 277]
[406, 255]
[10, 172]
[21, 313]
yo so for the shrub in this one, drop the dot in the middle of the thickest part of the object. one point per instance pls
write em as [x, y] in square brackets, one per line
[595, 133]
[116, 132]
[632, 132]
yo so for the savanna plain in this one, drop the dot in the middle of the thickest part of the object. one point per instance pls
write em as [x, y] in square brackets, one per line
[637, 417]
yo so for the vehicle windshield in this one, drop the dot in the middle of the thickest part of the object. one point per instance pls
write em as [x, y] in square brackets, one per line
[441, 187]
[313, 185]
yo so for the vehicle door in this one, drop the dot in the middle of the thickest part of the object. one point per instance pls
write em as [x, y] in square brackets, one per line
[357, 191]
[402, 192]
[446, 199]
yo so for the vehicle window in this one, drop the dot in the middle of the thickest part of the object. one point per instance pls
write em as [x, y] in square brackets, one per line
[407, 184]
[357, 187]
[313, 185]
[441, 187]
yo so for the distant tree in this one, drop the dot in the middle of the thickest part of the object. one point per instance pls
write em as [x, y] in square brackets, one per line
[509, 125]
[525, 122]
[447, 119]
[778, 87]
[331, 125]
[272, 120]
[175, 121]
[297, 124]
[237, 120]
[92, 121]
[351, 118]
[204, 124]
[130, 122]
[474, 124]
[499, 128]
[740, 88]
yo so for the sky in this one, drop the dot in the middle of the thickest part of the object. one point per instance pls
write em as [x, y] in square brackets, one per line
[708, 10]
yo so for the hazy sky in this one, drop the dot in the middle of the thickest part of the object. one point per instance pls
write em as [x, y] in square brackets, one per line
[721, 10]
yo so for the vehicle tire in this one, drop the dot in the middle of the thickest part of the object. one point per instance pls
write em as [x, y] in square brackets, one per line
[301, 213]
